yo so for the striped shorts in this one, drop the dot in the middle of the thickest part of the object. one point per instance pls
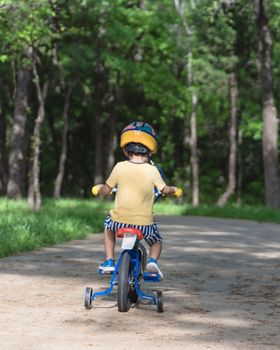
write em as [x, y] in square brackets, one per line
[150, 232]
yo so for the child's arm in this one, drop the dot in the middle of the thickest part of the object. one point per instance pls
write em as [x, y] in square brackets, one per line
[111, 182]
[169, 190]
[101, 189]
[163, 188]
[172, 191]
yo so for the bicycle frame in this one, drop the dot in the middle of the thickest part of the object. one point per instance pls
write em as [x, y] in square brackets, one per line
[135, 265]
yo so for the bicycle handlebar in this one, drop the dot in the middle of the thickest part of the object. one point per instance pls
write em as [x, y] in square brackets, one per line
[178, 193]
[95, 191]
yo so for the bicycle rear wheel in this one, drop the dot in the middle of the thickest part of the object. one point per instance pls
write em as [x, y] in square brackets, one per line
[124, 278]
[143, 256]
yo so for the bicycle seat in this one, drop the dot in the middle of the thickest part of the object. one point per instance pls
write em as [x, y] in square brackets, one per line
[134, 231]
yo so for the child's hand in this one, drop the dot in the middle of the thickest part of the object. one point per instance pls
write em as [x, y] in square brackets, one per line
[172, 191]
[178, 192]
[95, 189]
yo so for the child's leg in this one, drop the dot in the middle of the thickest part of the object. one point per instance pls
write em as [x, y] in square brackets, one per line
[152, 265]
[109, 243]
[155, 250]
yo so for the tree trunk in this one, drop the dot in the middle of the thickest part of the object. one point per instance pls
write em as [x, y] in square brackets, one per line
[3, 154]
[193, 137]
[54, 137]
[194, 157]
[63, 155]
[270, 131]
[112, 145]
[17, 156]
[34, 192]
[98, 173]
[240, 168]
[232, 142]
[180, 7]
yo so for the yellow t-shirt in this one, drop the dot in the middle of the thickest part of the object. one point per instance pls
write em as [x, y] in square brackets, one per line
[135, 196]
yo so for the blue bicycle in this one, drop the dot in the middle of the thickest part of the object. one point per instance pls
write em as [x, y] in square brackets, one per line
[129, 274]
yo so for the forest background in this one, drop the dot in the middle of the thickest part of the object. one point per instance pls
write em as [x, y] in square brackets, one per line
[204, 73]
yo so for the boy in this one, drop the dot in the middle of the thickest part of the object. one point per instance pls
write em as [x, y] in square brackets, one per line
[135, 180]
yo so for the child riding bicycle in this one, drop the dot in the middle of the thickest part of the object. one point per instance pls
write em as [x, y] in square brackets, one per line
[135, 179]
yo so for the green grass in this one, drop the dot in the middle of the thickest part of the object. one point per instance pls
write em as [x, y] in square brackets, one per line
[260, 214]
[58, 221]
[63, 220]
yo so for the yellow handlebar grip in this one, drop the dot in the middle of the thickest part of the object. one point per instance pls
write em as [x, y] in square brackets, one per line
[95, 190]
[178, 193]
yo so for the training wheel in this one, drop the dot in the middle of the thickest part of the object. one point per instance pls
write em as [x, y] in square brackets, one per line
[88, 296]
[159, 301]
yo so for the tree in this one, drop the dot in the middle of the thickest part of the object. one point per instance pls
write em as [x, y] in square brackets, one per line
[3, 152]
[270, 131]
[194, 100]
[34, 192]
[27, 29]
[134, 60]
[63, 154]
[232, 141]
[17, 51]
[17, 156]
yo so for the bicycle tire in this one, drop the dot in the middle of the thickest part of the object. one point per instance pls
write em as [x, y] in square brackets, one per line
[124, 301]
[87, 300]
[133, 293]
[159, 301]
[142, 253]
[143, 256]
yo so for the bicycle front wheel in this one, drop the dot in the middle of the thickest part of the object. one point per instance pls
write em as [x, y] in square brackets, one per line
[124, 278]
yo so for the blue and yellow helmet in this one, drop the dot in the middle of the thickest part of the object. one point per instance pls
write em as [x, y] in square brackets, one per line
[140, 132]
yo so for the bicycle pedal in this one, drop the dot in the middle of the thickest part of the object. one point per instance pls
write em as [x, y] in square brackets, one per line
[151, 277]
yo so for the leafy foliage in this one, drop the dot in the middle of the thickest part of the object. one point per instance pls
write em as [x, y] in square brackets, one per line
[128, 60]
